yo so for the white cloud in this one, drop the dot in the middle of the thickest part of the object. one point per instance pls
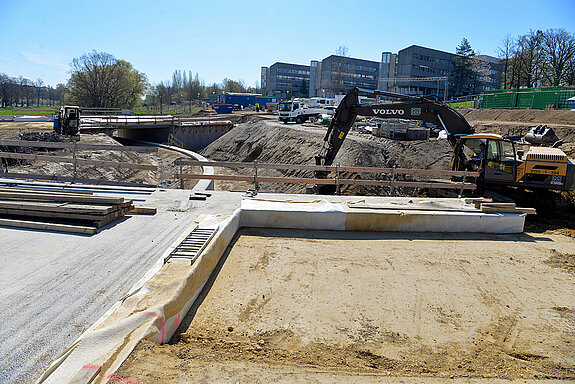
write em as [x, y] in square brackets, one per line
[49, 59]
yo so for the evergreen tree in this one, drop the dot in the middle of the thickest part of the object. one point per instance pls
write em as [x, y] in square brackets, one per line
[463, 68]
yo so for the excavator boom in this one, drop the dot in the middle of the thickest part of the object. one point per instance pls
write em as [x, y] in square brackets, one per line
[409, 107]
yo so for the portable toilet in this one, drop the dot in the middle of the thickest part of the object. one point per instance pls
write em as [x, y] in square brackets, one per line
[571, 102]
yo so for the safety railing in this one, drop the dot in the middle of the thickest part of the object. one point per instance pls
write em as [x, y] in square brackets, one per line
[387, 176]
[74, 147]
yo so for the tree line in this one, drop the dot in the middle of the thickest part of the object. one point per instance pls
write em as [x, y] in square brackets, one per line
[538, 58]
[22, 92]
[535, 59]
[98, 79]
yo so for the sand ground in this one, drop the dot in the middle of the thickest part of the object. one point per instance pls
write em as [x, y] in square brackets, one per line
[314, 306]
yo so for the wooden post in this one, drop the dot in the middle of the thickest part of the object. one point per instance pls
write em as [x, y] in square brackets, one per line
[391, 189]
[337, 190]
[462, 184]
[74, 159]
[256, 183]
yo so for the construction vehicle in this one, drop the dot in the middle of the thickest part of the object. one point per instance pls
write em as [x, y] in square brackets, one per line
[500, 165]
[67, 122]
[297, 111]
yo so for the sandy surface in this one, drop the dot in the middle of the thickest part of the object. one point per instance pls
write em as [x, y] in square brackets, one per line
[301, 306]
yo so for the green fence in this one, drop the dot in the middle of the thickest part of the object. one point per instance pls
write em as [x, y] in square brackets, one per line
[535, 98]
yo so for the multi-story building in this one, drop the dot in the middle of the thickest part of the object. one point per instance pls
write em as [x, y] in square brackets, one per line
[414, 70]
[490, 73]
[285, 80]
[423, 71]
[339, 74]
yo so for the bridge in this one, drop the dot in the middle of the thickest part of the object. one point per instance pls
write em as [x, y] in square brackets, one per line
[190, 133]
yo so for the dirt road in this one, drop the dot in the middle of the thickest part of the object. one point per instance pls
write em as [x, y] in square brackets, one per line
[288, 305]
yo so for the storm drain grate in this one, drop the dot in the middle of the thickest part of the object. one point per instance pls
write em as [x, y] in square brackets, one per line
[193, 244]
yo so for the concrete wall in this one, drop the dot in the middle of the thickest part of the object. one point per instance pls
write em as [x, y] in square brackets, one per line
[194, 137]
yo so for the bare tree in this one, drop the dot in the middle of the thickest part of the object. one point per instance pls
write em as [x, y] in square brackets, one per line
[558, 47]
[5, 84]
[479, 74]
[504, 52]
[530, 59]
[39, 84]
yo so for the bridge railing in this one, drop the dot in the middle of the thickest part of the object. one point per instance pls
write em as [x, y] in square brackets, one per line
[388, 177]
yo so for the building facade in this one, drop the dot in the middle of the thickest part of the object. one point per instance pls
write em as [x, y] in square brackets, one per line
[285, 80]
[339, 74]
[414, 70]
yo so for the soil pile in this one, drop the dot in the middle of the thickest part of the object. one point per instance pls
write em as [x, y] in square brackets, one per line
[271, 142]
[520, 121]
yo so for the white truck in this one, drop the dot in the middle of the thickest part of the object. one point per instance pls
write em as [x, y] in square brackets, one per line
[297, 111]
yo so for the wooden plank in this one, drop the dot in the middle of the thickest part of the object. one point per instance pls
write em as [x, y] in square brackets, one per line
[79, 180]
[529, 211]
[118, 215]
[80, 147]
[55, 215]
[61, 197]
[57, 207]
[411, 184]
[48, 226]
[480, 205]
[331, 168]
[86, 374]
[62, 159]
[46, 191]
[143, 211]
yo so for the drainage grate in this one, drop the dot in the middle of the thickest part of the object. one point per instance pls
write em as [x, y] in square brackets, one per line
[193, 244]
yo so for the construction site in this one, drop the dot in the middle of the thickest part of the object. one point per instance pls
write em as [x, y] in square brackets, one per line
[240, 249]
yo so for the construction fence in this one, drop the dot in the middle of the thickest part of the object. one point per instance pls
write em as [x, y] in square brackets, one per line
[519, 98]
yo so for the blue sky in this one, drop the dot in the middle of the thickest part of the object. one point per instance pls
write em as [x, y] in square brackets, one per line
[234, 39]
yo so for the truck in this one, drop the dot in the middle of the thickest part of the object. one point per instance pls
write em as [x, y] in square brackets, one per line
[298, 112]
[498, 161]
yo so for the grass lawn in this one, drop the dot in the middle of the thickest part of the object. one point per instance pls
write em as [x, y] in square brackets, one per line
[25, 111]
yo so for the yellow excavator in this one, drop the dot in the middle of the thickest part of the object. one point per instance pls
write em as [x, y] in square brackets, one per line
[497, 159]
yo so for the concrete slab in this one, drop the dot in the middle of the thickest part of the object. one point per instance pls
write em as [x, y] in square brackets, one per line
[54, 286]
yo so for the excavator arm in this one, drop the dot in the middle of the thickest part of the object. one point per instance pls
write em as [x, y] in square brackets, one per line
[409, 107]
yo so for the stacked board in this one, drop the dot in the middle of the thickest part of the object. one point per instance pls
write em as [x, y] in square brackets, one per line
[76, 212]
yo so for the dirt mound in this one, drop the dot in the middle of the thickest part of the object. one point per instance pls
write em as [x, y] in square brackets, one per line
[271, 142]
[530, 116]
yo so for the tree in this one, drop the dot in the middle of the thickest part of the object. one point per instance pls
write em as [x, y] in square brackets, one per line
[479, 75]
[5, 82]
[529, 59]
[98, 79]
[463, 67]
[39, 84]
[233, 86]
[504, 53]
[558, 47]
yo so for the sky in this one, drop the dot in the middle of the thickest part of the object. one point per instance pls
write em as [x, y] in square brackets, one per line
[234, 39]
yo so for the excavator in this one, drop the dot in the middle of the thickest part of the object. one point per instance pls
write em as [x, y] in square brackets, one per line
[67, 122]
[500, 164]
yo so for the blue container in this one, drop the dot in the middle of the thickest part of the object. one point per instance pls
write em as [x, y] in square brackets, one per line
[57, 123]
[223, 108]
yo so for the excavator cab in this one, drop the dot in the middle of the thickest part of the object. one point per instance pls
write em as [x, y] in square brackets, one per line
[489, 154]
